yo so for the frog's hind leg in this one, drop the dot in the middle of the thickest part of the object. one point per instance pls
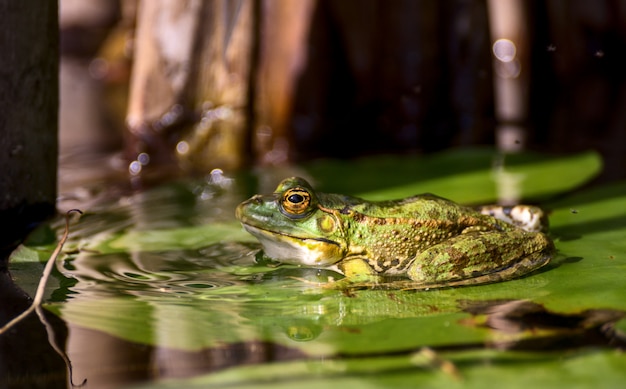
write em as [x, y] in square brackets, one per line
[481, 257]
[525, 266]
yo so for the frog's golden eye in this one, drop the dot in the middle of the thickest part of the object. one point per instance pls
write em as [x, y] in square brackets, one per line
[296, 201]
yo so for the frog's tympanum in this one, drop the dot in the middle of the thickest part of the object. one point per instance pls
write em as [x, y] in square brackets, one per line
[425, 239]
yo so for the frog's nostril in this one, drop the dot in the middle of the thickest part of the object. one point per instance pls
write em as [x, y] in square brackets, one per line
[256, 199]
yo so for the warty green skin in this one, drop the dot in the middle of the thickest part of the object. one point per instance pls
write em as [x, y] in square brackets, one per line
[426, 239]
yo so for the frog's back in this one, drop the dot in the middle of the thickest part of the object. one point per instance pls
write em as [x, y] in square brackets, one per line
[423, 206]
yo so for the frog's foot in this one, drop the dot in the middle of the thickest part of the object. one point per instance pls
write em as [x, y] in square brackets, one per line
[360, 283]
[314, 283]
[344, 283]
[331, 283]
[526, 217]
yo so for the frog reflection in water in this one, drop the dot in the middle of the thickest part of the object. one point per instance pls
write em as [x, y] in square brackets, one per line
[425, 239]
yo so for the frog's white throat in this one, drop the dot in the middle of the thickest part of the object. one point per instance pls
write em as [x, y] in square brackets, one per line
[297, 251]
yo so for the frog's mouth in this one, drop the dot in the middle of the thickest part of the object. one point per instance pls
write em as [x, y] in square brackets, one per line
[315, 252]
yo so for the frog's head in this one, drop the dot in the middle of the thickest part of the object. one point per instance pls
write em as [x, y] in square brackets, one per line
[292, 226]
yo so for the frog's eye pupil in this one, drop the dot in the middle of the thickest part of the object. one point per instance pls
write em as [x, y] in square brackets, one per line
[295, 202]
[295, 198]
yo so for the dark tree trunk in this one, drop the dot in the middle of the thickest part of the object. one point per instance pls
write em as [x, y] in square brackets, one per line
[28, 162]
[28, 116]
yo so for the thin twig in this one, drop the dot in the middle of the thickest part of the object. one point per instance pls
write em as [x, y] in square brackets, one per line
[37, 300]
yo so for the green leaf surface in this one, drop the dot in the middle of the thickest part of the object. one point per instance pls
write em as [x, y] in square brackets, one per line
[174, 239]
[477, 370]
[465, 176]
[199, 286]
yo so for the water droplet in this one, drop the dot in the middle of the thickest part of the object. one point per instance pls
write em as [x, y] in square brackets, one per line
[182, 147]
[134, 168]
[143, 159]
[504, 50]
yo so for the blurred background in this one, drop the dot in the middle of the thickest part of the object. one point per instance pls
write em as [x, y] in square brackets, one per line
[184, 87]
[160, 89]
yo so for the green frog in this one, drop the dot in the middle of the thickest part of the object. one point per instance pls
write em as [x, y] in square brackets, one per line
[425, 240]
